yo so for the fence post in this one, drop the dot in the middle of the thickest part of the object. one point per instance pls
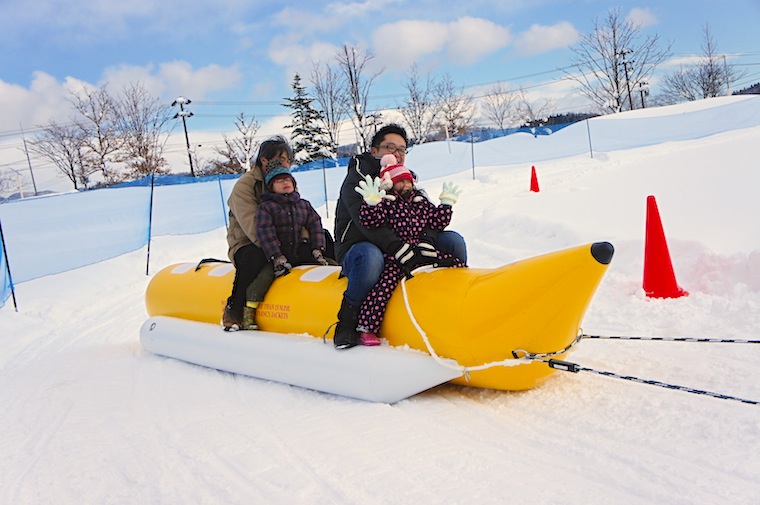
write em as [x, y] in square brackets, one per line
[472, 153]
[221, 197]
[8, 267]
[150, 222]
[324, 179]
[588, 129]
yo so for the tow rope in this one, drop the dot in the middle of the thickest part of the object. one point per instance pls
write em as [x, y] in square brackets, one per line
[575, 368]
[674, 339]
[522, 357]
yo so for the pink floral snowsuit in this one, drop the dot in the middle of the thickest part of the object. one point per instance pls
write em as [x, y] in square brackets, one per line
[408, 217]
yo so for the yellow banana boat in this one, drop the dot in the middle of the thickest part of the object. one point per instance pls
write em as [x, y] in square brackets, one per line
[464, 318]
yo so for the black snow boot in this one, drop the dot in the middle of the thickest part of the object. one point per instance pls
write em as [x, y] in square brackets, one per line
[232, 319]
[346, 335]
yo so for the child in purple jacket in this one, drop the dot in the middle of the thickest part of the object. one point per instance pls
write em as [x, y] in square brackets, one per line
[280, 219]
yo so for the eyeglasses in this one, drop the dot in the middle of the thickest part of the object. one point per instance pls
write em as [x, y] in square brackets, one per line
[393, 148]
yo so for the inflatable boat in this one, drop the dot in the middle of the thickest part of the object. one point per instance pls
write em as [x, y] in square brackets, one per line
[469, 326]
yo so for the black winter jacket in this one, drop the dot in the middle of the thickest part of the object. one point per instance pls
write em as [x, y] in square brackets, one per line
[348, 227]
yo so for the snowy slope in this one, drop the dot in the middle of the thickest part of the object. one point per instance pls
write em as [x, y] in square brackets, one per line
[88, 416]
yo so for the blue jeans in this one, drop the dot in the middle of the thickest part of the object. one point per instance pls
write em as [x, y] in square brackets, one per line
[453, 243]
[363, 264]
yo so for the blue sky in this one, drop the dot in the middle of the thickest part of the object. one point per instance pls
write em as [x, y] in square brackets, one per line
[232, 56]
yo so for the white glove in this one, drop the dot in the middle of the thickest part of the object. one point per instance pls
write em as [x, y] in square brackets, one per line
[370, 190]
[450, 193]
[386, 182]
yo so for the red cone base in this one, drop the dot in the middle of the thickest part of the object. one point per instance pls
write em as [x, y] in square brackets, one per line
[533, 180]
[659, 278]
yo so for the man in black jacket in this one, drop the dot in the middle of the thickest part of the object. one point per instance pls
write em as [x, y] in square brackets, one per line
[360, 251]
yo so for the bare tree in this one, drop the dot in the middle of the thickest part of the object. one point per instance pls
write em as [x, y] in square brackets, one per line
[353, 64]
[64, 146]
[11, 180]
[678, 86]
[705, 79]
[500, 106]
[533, 112]
[237, 151]
[613, 59]
[142, 120]
[6, 182]
[332, 100]
[455, 110]
[97, 122]
[419, 111]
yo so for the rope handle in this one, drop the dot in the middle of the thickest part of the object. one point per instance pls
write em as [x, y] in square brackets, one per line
[209, 260]
[465, 370]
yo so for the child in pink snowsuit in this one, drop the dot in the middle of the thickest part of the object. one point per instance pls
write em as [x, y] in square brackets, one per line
[407, 211]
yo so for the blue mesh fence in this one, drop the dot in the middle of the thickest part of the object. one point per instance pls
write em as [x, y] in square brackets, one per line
[52, 234]
[56, 233]
[6, 282]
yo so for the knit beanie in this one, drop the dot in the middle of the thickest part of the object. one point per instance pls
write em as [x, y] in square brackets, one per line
[277, 172]
[397, 171]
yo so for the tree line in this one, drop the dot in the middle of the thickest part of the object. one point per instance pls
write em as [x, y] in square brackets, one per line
[122, 137]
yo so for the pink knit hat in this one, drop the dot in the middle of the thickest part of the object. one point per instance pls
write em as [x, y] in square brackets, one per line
[397, 171]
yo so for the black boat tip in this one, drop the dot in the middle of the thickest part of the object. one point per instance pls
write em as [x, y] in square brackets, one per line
[602, 252]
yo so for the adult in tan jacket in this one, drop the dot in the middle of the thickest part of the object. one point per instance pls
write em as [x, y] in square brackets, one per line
[244, 250]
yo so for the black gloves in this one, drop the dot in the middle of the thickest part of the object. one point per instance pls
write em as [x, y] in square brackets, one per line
[413, 257]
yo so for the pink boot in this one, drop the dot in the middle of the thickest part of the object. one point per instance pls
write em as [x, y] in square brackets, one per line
[367, 338]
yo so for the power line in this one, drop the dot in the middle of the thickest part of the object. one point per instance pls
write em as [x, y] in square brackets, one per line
[377, 98]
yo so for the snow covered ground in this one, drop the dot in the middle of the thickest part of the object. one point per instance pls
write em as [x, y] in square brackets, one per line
[88, 416]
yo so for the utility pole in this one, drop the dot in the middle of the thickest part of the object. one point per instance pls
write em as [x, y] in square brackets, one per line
[182, 101]
[375, 120]
[28, 160]
[728, 81]
[644, 90]
[625, 63]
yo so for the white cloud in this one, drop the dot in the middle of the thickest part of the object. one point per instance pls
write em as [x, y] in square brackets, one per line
[540, 39]
[360, 9]
[301, 22]
[173, 78]
[47, 98]
[335, 17]
[681, 61]
[642, 17]
[466, 40]
[473, 38]
[398, 45]
[296, 57]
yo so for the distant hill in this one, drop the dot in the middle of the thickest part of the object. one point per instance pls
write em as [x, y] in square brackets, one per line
[752, 90]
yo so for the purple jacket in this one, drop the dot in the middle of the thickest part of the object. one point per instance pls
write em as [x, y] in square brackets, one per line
[279, 220]
[407, 217]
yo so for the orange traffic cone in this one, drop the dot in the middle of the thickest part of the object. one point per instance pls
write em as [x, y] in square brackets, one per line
[659, 278]
[533, 180]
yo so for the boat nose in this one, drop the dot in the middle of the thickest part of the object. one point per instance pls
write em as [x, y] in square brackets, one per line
[602, 252]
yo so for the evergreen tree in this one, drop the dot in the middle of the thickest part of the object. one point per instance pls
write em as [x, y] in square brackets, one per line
[308, 137]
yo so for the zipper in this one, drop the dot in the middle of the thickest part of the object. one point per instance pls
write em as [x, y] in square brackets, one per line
[348, 226]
